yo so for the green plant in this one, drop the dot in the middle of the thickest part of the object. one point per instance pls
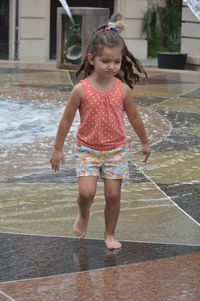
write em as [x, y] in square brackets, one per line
[162, 26]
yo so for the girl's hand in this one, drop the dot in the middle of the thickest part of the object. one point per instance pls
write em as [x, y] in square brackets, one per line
[57, 157]
[146, 152]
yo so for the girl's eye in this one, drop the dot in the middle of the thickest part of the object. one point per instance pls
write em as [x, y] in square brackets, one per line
[107, 62]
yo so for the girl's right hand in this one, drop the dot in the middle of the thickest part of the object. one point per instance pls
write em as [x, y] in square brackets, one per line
[146, 152]
[57, 157]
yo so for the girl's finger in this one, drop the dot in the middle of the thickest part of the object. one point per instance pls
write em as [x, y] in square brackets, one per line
[146, 157]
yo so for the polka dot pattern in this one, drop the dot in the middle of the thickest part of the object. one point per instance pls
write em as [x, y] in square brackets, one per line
[101, 117]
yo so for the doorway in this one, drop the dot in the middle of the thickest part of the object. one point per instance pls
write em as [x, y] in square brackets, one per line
[81, 3]
[4, 25]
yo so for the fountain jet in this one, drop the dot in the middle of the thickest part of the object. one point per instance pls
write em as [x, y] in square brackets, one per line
[67, 9]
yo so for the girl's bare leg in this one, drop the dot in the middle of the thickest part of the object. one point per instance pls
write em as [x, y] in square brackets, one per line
[112, 191]
[87, 190]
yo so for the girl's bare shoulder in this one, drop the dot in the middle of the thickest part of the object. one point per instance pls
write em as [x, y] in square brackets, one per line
[78, 89]
[75, 97]
[128, 92]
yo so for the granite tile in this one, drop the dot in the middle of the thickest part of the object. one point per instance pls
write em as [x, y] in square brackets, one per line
[48, 209]
[36, 205]
[179, 104]
[180, 119]
[146, 101]
[174, 166]
[192, 130]
[175, 278]
[29, 256]
[186, 196]
[180, 139]
[184, 76]
[193, 94]
[164, 90]
[167, 79]
[35, 78]
[9, 71]
[59, 87]
[67, 175]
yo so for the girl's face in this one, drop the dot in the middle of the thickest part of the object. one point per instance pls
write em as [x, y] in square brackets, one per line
[108, 63]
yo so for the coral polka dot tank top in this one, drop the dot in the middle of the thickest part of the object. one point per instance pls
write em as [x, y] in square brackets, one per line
[101, 117]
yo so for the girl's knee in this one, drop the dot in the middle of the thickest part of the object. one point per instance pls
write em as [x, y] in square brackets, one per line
[112, 196]
[86, 195]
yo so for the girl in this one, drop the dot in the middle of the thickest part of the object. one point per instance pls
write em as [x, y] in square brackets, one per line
[101, 98]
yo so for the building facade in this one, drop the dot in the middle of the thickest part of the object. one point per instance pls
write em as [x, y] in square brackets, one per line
[32, 28]
[190, 36]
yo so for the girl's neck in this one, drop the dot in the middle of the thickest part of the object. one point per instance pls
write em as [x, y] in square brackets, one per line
[100, 83]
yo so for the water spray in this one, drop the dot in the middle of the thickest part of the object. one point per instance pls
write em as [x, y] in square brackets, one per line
[73, 43]
[67, 9]
[194, 5]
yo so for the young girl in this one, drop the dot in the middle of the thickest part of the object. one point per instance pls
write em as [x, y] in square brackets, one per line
[101, 98]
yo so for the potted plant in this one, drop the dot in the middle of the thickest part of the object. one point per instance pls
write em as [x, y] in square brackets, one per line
[162, 26]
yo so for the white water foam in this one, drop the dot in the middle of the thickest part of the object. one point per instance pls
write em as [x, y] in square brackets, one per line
[25, 121]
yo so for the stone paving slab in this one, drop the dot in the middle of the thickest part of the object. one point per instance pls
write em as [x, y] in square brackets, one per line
[159, 208]
[175, 278]
[146, 213]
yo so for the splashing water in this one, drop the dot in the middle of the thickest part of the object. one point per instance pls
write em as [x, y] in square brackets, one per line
[23, 122]
[67, 9]
[194, 5]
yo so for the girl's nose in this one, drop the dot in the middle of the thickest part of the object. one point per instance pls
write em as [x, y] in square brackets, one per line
[110, 66]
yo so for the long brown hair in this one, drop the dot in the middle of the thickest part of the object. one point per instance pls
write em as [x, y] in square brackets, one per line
[131, 71]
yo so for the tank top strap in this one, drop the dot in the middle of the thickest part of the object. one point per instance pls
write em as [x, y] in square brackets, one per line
[119, 88]
[86, 87]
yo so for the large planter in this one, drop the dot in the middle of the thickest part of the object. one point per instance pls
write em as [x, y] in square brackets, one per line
[172, 60]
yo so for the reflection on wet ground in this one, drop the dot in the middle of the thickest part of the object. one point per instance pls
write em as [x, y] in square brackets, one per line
[160, 208]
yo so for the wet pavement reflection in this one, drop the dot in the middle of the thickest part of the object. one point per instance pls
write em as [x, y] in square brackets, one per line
[160, 208]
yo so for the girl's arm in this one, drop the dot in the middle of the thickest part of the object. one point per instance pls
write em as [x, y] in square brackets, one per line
[64, 126]
[136, 121]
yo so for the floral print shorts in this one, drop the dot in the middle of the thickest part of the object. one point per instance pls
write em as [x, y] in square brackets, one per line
[111, 164]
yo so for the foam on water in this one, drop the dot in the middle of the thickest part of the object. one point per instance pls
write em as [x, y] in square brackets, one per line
[23, 122]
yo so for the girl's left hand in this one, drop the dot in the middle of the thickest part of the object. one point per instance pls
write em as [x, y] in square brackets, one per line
[146, 152]
[56, 158]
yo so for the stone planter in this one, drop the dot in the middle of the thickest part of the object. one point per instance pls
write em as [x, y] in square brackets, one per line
[172, 60]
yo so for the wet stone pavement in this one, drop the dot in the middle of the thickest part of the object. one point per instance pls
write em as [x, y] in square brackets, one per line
[159, 224]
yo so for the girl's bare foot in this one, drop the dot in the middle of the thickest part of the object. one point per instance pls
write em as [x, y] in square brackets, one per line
[80, 225]
[112, 243]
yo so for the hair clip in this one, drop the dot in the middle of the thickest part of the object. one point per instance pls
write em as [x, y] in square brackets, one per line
[111, 27]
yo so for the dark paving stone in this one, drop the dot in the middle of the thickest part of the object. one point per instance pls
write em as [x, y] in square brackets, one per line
[180, 119]
[192, 94]
[61, 88]
[146, 101]
[177, 141]
[63, 176]
[167, 80]
[68, 175]
[135, 174]
[186, 196]
[26, 256]
[19, 71]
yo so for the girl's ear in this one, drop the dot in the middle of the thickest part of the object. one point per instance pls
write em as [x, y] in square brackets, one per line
[90, 58]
